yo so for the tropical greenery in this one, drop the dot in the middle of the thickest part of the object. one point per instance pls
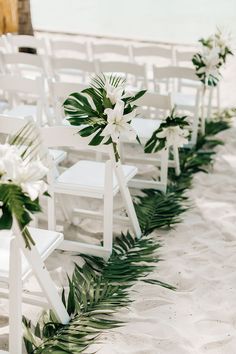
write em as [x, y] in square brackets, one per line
[21, 183]
[220, 40]
[215, 50]
[172, 131]
[98, 289]
[104, 110]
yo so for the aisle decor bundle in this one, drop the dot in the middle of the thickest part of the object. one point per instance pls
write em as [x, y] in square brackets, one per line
[172, 132]
[214, 53]
[104, 111]
[99, 288]
[21, 180]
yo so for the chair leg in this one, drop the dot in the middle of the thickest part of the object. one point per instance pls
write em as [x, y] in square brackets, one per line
[218, 96]
[108, 208]
[15, 299]
[164, 166]
[51, 212]
[125, 193]
[45, 282]
[209, 105]
[176, 159]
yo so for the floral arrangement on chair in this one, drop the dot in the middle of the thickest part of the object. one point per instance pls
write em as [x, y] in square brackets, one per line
[21, 181]
[215, 51]
[171, 132]
[104, 111]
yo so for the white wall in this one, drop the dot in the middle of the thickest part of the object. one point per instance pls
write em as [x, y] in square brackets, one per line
[167, 20]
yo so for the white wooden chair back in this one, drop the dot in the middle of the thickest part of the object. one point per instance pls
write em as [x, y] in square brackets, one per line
[67, 48]
[70, 69]
[171, 76]
[27, 65]
[184, 58]
[135, 74]
[67, 136]
[153, 53]
[20, 89]
[59, 91]
[154, 105]
[183, 73]
[110, 51]
[169, 72]
[25, 41]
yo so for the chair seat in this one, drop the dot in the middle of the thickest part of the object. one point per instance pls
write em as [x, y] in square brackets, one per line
[144, 127]
[87, 178]
[46, 242]
[184, 100]
[25, 110]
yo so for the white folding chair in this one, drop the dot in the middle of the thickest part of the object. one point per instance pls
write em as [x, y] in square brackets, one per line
[59, 91]
[135, 74]
[90, 179]
[189, 102]
[110, 51]
[74, 70]
[152, 109]
[152, 54]
[184, 59]
[26, 97]
[67, 48]
[17, 263]
[24, 64]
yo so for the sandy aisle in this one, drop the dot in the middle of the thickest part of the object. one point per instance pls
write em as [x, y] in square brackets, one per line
[199, 259]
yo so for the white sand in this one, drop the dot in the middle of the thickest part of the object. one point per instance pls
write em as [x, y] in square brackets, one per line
[199, 259]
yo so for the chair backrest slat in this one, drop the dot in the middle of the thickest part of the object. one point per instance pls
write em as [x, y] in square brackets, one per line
[67, 136]
[184, 58]
[100, 50]
[18, 84]
[174, 72]
[64, 47]
[153, 51]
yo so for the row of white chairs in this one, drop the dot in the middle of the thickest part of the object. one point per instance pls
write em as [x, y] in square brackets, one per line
[49, 101]
[96, 50]
[71, 69]
[153, 108]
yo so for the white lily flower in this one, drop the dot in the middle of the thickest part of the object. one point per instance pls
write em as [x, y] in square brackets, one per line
[30, 179]
[9, 160]
[175, 136]
[27, 175]
[114, 94]
[118, 123]
[222, 40]
[211, 60]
